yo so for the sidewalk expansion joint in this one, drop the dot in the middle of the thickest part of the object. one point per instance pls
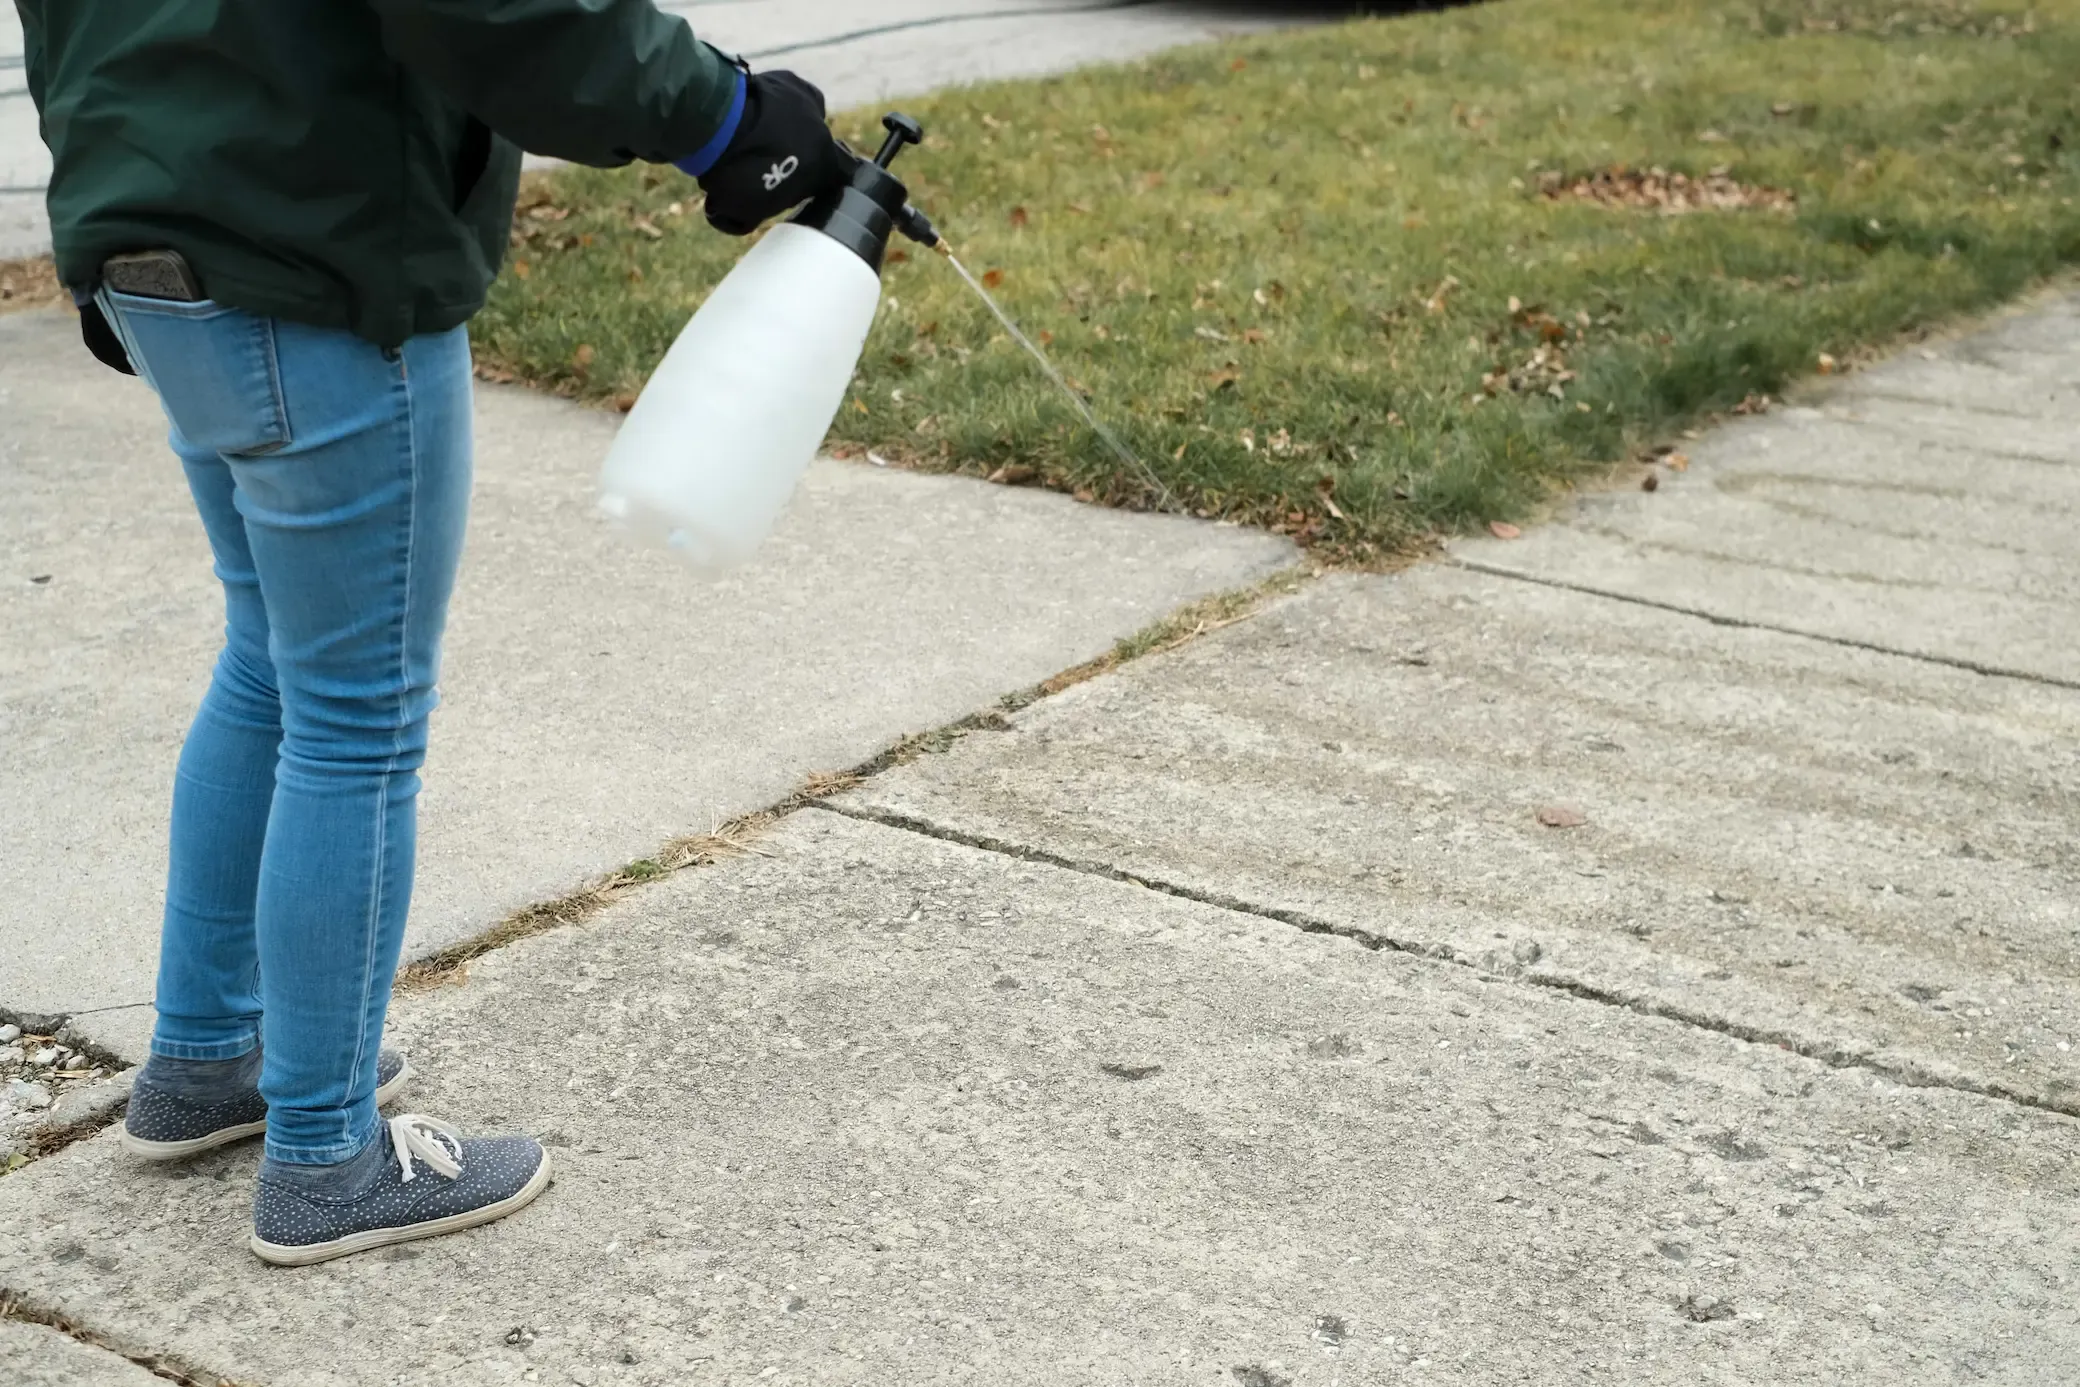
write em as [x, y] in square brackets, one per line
[1907, 1075]
[1740, 623]
[15, 1306]
[739, 836]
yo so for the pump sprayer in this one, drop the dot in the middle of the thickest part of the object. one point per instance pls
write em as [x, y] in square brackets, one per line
[733, 415]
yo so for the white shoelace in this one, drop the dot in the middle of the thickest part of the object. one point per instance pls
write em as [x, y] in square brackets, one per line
[433, 1142]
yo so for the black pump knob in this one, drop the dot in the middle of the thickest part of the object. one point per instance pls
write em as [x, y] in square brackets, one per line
[901, 130]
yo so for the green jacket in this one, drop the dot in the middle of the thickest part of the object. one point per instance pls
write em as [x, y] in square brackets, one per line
[347, 163]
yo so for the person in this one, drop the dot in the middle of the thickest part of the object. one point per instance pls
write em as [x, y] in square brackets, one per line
[280, 217]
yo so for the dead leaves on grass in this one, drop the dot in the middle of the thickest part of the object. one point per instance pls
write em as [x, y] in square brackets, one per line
[1668, 194]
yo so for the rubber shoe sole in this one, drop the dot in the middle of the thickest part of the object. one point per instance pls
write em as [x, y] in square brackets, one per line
[367, 1241]
[224, 1136]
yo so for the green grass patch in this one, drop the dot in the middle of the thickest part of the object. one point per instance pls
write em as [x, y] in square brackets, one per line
[1338, 282]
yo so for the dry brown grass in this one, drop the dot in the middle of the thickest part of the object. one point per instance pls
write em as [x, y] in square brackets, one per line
[31, 283]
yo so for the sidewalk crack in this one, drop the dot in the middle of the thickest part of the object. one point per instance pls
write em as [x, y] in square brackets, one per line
[1905, 1073]
[16, 1306]
[1741, 623]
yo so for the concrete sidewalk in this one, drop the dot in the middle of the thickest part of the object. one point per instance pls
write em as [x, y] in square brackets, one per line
[1454, 977]
[598, 699]
[876, 1107]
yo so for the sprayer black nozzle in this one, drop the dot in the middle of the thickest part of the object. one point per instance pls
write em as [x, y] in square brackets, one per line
[902, 130]
[917, 226]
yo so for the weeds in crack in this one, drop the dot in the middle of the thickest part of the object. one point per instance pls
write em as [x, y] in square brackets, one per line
[1186, 624]
[13, 1306]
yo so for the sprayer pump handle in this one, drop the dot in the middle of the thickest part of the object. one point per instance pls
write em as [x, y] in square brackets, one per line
[901, 130]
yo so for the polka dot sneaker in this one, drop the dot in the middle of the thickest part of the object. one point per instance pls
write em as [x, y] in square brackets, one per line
[418, 1179]
[183, 1107]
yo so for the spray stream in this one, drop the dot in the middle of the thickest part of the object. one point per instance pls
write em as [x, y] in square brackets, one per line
[1125, 454]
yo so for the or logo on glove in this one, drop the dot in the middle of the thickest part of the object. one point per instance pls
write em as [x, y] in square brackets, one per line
[783, 154]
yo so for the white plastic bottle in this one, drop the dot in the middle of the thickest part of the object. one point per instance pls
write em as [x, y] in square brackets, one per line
[733, 415]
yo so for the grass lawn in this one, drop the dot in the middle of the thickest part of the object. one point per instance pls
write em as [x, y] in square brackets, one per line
[1366, 283]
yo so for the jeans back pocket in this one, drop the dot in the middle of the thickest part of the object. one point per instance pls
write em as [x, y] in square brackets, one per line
[214, 369]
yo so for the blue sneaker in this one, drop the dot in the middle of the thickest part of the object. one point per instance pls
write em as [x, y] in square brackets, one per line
[418, 1179]
[187, 1110]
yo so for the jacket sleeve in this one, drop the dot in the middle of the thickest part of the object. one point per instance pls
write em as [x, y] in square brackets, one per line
[593, 81]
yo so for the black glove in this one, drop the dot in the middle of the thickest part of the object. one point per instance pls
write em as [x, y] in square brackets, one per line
[101, 339]
[782, 155]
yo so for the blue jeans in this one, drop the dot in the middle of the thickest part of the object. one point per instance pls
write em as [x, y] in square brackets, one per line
[333, 479]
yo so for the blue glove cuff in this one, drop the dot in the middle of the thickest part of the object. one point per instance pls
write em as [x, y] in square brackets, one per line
[705, 158]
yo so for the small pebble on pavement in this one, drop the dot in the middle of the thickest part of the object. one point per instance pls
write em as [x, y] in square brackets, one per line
[21, 1093]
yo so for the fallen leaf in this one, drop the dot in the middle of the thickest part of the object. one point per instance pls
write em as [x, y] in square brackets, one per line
[1046, 337]
[1014, 474]
[1019, 216]
[1678, 462]
[1562, 816]
[1826, 364]
[992, 278]
[582, 357]
[1502, 529]
[521, 269]
[1516, 305]
[625, 401]
[1224, 378]
[1248, 439]
[898, 257]
[648, 228]
[1238, 65]
[1254, 336]
[1081, 209]
[1650, 482]
[1178, 456]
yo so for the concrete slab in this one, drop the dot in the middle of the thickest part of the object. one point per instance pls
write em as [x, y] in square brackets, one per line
[24, 230]
[599, 699]
[1865, 856]
[843, 1114]
[34, 1355]
[1926, 505]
